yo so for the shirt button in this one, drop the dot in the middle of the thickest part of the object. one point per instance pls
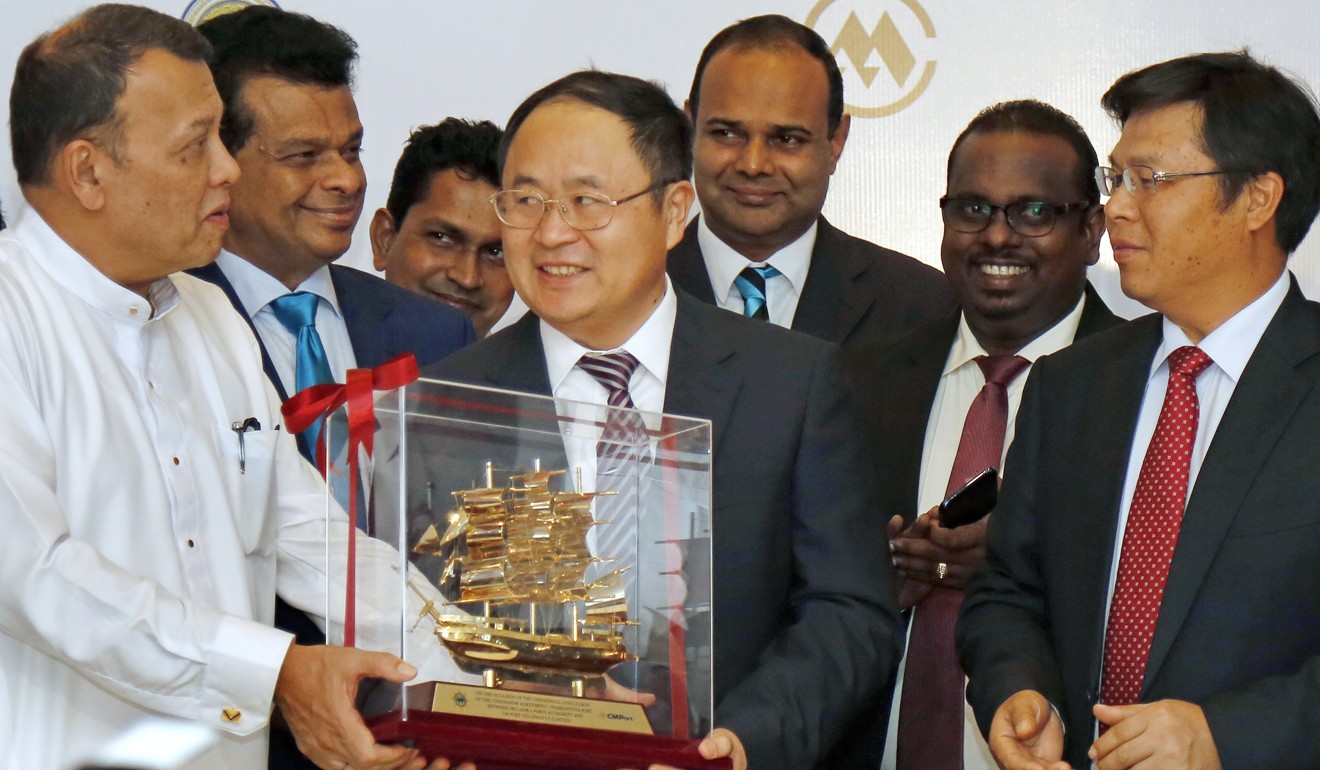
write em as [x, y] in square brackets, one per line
[176, 461]
[132, 310]
[190, 543]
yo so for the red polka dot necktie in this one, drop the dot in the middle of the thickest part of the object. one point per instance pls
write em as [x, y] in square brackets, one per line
[1152, 532]
[930, 714]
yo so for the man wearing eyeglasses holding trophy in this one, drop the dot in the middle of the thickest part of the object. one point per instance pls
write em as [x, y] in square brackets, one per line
[1152, 590]
[595, 169]
[1022, 222]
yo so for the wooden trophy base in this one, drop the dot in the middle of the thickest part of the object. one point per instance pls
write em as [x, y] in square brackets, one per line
[501, 744]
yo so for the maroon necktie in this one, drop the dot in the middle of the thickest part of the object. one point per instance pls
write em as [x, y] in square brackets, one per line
[930, 715]
[1152, 532]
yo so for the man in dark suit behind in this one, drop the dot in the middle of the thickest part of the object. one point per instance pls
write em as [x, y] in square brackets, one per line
[291, 123]
[1022, 222]
[804, 622]
[1153, 564]
[767, 106]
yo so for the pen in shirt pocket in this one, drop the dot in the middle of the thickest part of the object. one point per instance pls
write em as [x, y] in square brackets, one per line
[241, 427]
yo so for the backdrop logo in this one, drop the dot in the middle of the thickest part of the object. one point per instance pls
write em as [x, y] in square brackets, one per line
[882, 52]
[199, 11]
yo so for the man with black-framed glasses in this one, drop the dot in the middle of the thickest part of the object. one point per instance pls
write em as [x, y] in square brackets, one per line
[1022, 222]
[1151, 595]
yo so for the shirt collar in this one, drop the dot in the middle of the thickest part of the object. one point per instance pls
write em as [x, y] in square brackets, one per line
[966, 348]
[256, 288]
[724, 264]
[1231, 344]
[82, 279]
[650, 344]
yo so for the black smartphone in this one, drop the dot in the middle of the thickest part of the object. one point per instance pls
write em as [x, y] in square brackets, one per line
[972, 501]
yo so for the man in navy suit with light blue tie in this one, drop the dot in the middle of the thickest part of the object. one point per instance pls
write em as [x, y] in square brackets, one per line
[291, 123]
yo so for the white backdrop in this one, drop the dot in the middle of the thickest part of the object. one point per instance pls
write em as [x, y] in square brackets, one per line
[923, 73]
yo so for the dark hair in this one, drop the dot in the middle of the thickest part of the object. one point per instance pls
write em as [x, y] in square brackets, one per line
[774, 32]
[468, 147]
[1254, 119]
[1028, 116]
[260, 40]
[661, 133]
[68, 81]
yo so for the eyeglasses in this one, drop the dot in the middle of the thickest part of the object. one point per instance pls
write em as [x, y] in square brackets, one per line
[583, 210]
[1029, 218]
[1141, 180]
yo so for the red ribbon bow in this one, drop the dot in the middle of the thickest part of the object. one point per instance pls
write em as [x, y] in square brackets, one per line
[311, 404]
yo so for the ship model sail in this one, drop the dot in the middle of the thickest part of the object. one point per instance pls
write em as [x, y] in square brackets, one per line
[522, 549]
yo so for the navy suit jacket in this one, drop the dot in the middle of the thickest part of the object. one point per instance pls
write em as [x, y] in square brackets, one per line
[855, 289]
[383, 321]
[805, 624]
[1238, 630]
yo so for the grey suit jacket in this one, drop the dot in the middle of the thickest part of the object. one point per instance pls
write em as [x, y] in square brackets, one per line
[804, 619]
[1238, 630]
[855, 290]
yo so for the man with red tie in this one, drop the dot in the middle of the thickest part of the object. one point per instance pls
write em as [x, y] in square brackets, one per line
[1022, 222]
[1152, 591]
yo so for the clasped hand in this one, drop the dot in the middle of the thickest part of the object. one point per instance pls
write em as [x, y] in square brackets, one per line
[917, 550]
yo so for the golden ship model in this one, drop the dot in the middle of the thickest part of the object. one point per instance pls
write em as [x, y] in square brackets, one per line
[525, 545]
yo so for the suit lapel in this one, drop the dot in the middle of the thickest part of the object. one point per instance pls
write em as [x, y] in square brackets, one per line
[516, 358]
[1096, 315]
[1261, 408]
[912, 386]
[830, 304]
[366, 317]
[687, 267]
[1115, 384]
[701, 381]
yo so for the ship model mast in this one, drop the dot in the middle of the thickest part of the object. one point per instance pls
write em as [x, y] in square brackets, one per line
[525, 546]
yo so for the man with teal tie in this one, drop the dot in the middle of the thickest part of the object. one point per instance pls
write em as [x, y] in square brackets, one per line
[292, 124]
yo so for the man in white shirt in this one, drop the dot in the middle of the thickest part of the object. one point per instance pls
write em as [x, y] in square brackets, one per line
[145, 537]
[767, 104]
[1022, 222]
[1150, 594]
[595, 169]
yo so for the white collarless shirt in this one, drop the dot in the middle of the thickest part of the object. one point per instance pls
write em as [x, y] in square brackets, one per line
[723, 264]
[960, 383]
[256, 289]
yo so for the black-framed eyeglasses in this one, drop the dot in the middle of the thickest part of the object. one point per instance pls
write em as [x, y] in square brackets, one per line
[1029, 218]
[1141, 181]
[583, 210]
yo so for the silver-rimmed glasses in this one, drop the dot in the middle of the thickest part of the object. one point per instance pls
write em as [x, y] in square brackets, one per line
[582, 210]
[1141, 180]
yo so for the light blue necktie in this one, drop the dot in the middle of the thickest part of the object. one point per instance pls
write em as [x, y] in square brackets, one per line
[751, 285]
[297, 312]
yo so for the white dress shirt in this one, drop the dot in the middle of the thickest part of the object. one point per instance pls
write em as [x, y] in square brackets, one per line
[1230, 347]
[256, 289]
[139, 565]
[723, 264]
[960, 383]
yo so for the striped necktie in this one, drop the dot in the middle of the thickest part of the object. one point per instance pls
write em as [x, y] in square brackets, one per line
[751, 285]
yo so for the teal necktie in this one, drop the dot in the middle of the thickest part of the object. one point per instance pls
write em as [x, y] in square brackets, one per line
[297, 312]
[751, 285]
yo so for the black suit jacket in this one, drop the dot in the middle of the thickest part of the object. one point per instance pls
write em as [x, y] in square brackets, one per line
[896, 379]
[1239, 626]
[804, 618]
[383, 321]
[855, 289]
